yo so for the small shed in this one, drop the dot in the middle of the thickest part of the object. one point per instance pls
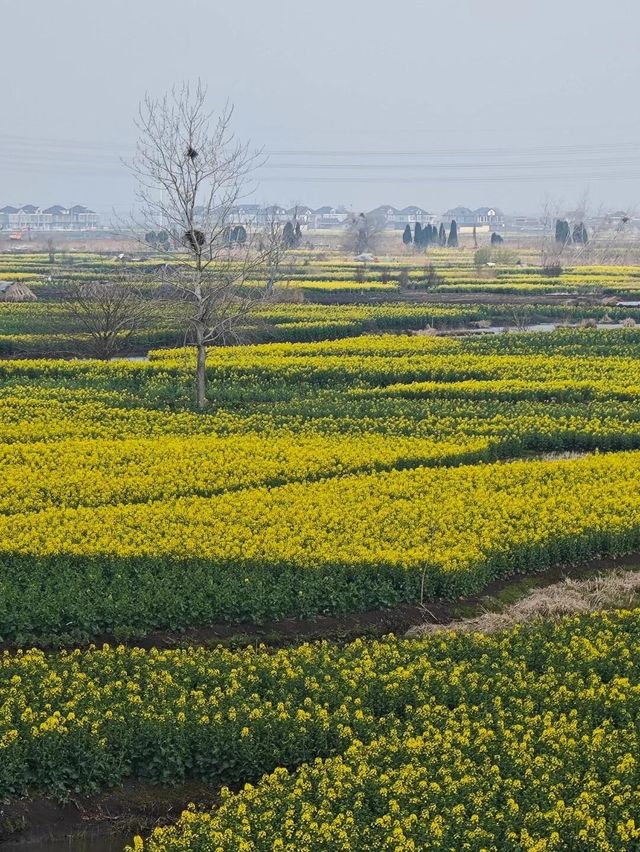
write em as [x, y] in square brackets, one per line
[14, 291]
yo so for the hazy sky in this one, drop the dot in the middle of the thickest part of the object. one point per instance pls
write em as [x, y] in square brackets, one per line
[503, 102]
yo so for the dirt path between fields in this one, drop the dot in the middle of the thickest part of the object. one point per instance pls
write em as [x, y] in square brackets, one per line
[373, 622]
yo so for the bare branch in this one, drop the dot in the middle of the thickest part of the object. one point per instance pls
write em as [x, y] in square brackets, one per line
[109, 312]
[192, 172]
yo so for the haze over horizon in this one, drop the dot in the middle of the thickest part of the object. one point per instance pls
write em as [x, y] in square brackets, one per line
[356, 104]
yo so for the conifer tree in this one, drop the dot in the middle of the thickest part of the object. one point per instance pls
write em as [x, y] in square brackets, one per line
[288, 235]
[452, 241]
[406, 236]
[580, 236]
[563, 232]
[559, 231]
[566, 229]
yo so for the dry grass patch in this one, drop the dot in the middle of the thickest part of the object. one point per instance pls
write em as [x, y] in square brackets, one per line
[618, 590]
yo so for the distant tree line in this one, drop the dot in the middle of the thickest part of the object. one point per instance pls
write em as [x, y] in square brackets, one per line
[161, 240]
[157, 239]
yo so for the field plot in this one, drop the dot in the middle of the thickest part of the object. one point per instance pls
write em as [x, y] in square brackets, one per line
[325, 296]
[528, 741]
[524, 740]
[319, 428]
[329, 477]
[338, 469]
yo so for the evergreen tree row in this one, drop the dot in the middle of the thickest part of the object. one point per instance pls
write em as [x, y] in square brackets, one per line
[292, 235]
[429, 235]
[565, 236]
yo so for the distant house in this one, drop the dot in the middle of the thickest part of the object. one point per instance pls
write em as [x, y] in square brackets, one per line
[491, 216]
[462, 215]
[383, 216]
[413, 215]
[55, 210]
[329, 217]
[524, 223]
[54, 218]
[390, 217]
[258, 215]
[5, 216]
[243, 214]
[82, 218]
[28, 217]
[484, 217]
[301, 214]
[14, 291]
[275, 213]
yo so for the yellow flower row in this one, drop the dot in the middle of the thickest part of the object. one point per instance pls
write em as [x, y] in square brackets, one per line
[546, 711]
[311, 486]
[92, 472]
[335, 544]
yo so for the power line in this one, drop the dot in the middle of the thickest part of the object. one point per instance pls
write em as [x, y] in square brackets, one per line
[540, 164]
[511, 151]
[91, 148]
[44, 158]
[576, 162]
[456, 178]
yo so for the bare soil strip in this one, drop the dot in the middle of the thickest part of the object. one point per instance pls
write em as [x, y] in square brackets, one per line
[136, 807]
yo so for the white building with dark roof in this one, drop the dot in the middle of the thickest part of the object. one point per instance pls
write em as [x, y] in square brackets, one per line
[390, 217]
[490, 217]
[413, 215]
[329, 217]
[29, 217]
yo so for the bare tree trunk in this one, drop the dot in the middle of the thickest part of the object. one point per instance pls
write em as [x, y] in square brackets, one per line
[201, 369]
[191, 173]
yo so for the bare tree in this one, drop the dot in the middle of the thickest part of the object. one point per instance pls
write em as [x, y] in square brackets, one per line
[109, 312]
[192, 171]
[361, 235]
[520, 316]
